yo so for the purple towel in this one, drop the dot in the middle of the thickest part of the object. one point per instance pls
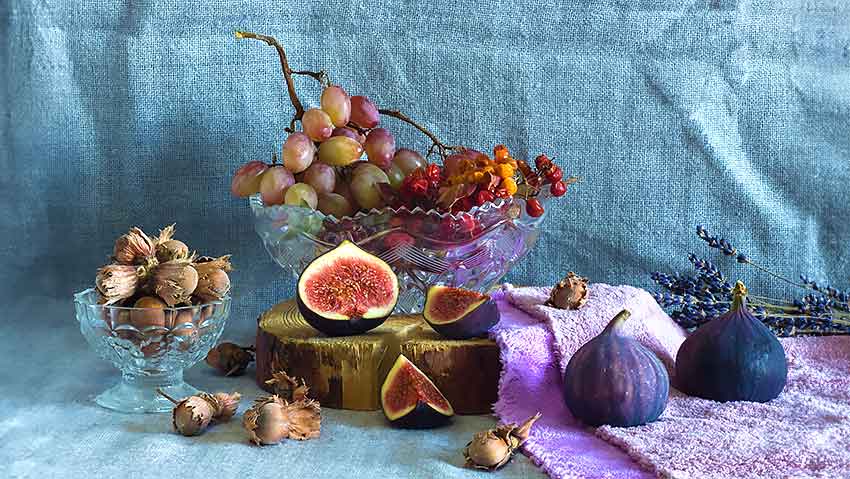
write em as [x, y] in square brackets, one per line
[531, 372]
[805, 433]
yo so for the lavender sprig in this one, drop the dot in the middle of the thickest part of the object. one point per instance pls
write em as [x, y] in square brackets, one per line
[697, 299]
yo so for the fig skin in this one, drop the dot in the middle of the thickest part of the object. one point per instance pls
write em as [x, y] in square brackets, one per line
[424, 415]
[353, 325]
[475, 324]
[732, 358]
[615, 380]
[338, 327]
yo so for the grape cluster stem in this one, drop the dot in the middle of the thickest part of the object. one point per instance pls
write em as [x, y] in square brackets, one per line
[324, 79]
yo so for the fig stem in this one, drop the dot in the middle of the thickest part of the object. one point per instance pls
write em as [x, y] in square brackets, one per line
[739, 296]
[166, 396]
[618, 320]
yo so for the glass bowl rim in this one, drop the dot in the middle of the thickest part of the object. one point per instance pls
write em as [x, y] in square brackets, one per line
[79, 298]
[256, 203]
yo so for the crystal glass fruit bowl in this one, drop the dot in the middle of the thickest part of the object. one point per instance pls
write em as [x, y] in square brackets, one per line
[472, 250]
[150, 346]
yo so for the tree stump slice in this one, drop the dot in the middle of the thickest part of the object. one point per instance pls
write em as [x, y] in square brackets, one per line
[347, 372]
[466, 372]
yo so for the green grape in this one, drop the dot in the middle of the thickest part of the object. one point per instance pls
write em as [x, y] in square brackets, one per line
[339, 151]
[408, 160]
[317, 124]
[380, 147]
[246, 180]
[321, 177]
[298, 152]
[365, 189]
[274, 183]
[301, 194]
[368, 169]
[336, 103]
[395, 175]
[335, 205]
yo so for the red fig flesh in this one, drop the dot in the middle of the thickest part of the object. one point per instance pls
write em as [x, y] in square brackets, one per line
[410, 400]
[347, 291]
[458, 313]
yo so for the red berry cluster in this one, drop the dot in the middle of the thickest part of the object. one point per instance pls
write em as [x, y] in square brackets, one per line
[547, 173]
[420, 187]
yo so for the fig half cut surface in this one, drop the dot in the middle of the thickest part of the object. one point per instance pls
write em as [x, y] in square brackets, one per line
[457, 313]
[347, 291]
[410, 400]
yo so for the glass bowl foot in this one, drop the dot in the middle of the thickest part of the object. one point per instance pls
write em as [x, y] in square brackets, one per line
[137, 393]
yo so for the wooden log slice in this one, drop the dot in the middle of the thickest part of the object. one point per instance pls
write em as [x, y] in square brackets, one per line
[347, 372]
[466, 372]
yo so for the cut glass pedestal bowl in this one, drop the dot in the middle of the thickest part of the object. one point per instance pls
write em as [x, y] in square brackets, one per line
[150, 346]
[472, 250]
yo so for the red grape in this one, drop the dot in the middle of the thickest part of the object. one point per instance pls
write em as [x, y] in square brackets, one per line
[339, 151]
[301, 194]
[317, 124]
[364, 113]
[380, 147]
[349, 132]
[335, 205]
[336, 103]
[321, 177]
[298, 152]
[274, 183]
[246, 180]
[408, 160]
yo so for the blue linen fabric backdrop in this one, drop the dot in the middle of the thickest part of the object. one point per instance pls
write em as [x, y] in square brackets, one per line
[729, 113]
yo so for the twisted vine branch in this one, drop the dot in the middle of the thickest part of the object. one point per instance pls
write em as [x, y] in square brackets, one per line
[324, 79]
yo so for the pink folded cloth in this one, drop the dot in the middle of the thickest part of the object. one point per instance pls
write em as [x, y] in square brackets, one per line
[805, 433]
[533, 338]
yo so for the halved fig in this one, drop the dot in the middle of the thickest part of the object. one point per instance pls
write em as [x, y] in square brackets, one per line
[410, 400]
[458, 313]
[347, 291]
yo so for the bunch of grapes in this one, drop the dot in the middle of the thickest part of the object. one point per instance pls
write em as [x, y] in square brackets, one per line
[322, 166]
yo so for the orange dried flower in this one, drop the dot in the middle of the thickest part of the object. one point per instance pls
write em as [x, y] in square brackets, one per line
[501, 152]
[510, 185]
[505, 170]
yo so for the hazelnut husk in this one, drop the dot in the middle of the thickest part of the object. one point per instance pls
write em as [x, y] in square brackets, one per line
[230, 359]
[213, 281]
[133, 248]
[171, 250]
[492, 449]
[212, 285]
[174, 281]
[116, 282]
[193, 414]
[288, 387]
[569, 293]
[273, 419]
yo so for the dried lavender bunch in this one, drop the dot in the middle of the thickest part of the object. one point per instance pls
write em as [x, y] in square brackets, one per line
[695, 299]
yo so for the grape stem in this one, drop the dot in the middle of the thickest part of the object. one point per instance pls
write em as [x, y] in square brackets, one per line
[287, 74]
[441, 147]
[322, 77]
